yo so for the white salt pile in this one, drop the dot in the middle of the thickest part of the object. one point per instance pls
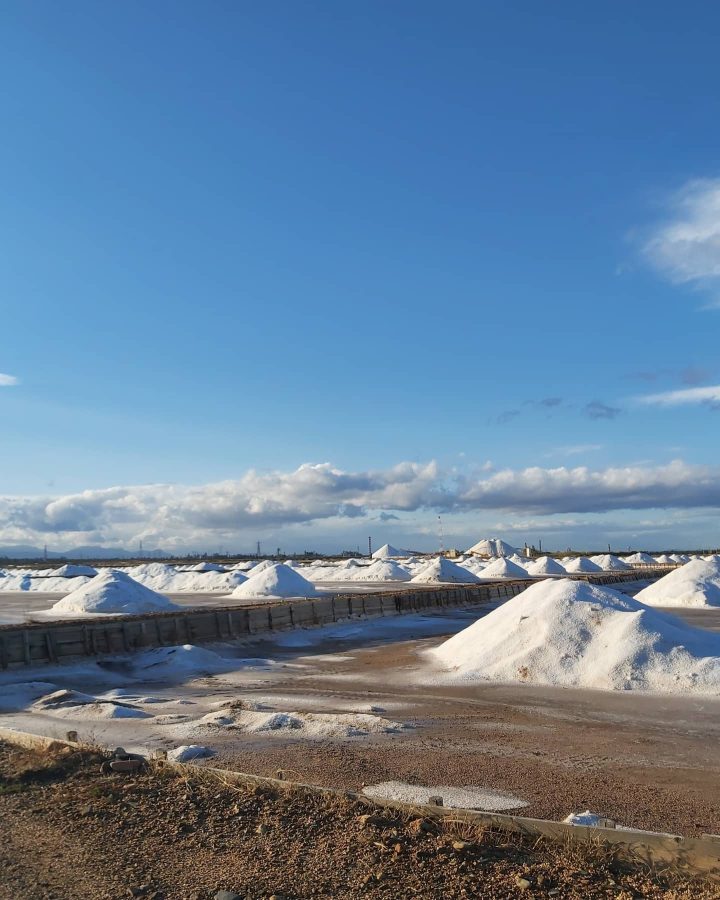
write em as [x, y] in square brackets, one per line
[72, 570]
[473, 564]
[189, 752]
[610, 563]
[182, 661]
[167, 579]
[24, 581]
[380, 570]
[76, 705]
[492, 547]
[277, 581]
[503, 568]
[545, 565]
[664, 559]
[575, 634]
[697, 584]
[112, 593]
[581, 564]
[387, 551]
[443, 571]
[207, 567]
[640, 559]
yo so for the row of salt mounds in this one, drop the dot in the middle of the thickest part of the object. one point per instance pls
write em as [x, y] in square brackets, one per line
[113, 592]
[492, 547]
[503, 568]
[46, 584]
[575, 634]
[162, 577]
[443, 571]
[581, 565]
[380, 570]
[387, 551]
[545, 565]
[610, 563]
[697, 583]
[276, 582]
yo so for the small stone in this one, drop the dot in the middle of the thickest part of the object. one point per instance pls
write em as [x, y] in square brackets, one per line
[262, 829]
[226, 895]
[522, 883]
[398, 848]
[460, 846]
[138, 891]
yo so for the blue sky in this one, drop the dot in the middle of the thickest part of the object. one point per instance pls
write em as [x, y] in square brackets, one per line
[241, 237]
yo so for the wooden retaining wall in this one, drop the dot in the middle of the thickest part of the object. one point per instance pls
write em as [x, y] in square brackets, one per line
[56, 641]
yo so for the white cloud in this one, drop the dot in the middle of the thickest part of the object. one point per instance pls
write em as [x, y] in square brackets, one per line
[259, 504]
[687, 396]
[8, 380]
[686, 247]
[563, 489]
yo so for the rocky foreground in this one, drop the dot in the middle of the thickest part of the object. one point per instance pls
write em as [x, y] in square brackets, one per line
[70, 829]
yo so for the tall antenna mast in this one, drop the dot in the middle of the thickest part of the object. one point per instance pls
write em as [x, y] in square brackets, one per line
[258, 548]
[442, 538]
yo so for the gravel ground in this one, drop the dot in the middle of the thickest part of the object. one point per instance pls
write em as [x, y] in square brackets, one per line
[71, 833]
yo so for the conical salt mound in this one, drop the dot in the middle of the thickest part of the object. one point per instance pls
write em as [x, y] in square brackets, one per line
[207, 567]
[492, 547]
[610, 563]
[503, 568]
[73, 570]
[443, 571]
[576, 634]
[545, 565]
[697, 583]
[581, 564]
[275, 582]
[380, 570]
[113, 592]
[387, 551]
[640, 559]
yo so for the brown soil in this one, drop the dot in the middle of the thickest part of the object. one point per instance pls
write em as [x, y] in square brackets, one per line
[647, 762]
[68, 832]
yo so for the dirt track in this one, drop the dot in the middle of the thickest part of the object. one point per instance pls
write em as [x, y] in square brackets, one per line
[70, 833]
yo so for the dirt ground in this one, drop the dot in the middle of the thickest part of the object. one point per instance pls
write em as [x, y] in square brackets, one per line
[68, 832]
[646, 761]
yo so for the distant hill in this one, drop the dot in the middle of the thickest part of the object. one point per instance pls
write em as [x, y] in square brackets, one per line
[26, 551]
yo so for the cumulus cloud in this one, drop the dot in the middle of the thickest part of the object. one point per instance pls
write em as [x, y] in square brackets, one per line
[580, 489]
[8, 380]
[191, 516]
[686, 247]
